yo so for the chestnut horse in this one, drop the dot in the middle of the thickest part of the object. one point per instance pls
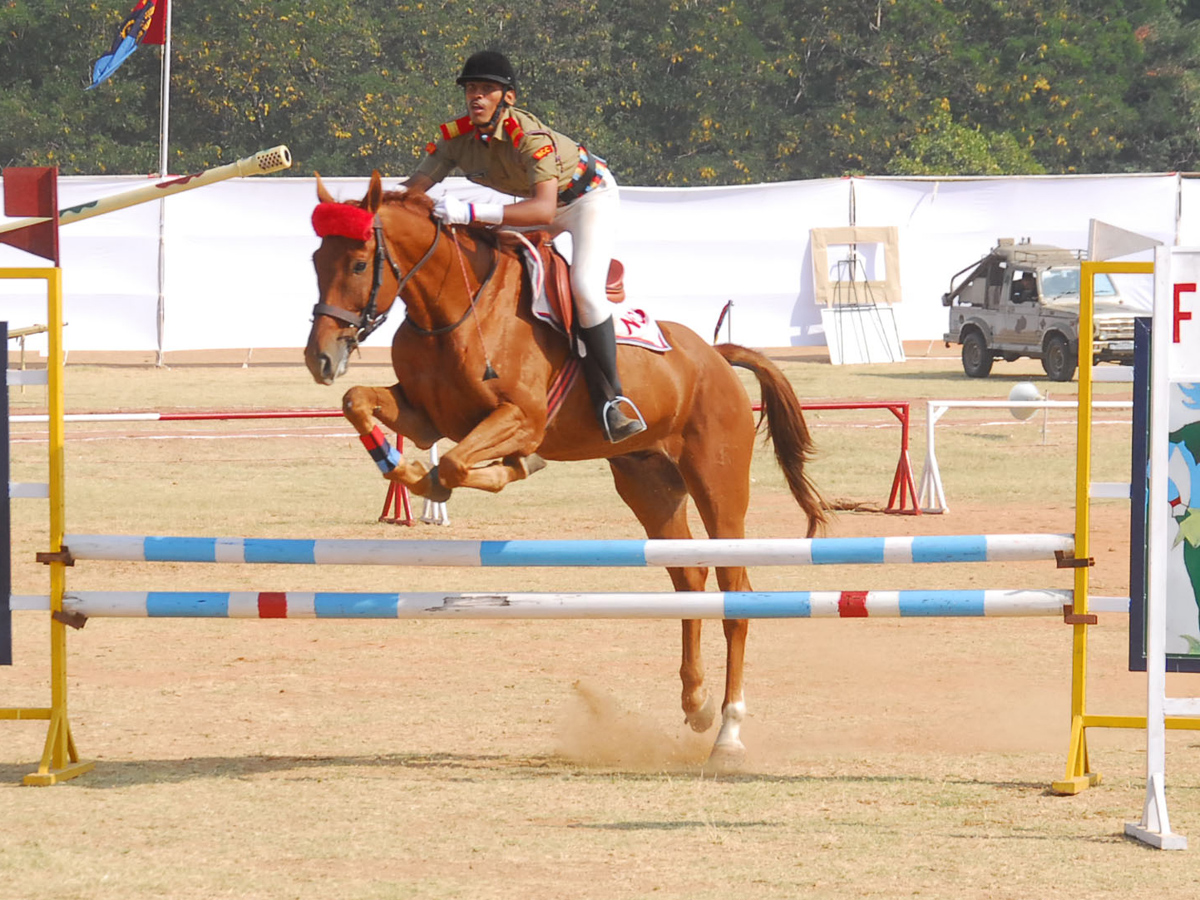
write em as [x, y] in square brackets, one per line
[467, 306]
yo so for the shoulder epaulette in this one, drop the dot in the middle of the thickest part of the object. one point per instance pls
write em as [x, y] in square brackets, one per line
[513, 130]
[451, 130]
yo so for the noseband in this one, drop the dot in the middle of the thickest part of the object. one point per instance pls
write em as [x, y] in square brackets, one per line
[369, 319]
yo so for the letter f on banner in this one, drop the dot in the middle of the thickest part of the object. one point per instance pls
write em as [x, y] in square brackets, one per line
[1178, 315]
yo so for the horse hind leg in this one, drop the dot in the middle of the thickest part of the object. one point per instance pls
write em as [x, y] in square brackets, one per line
[718, 479]
[651, 486]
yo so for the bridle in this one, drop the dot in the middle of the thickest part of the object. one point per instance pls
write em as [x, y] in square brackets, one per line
[370, 319]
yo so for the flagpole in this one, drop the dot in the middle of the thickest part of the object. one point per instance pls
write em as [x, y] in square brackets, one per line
[163, 172]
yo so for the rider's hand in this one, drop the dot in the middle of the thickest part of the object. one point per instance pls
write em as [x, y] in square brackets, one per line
[453, 211]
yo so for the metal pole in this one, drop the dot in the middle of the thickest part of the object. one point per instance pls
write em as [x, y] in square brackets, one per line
[5, 524]
[164, 127]
[264, 162]
[60, 760]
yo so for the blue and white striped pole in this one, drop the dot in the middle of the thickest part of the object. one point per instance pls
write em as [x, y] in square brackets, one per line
[505, 605]
[716, 552]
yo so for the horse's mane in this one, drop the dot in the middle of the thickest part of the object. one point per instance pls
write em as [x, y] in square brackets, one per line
[419, 202]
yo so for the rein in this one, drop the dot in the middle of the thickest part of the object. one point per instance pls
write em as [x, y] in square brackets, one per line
[368, 320]
[446, 329]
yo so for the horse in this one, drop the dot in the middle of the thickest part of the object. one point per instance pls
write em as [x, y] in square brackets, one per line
[473, 364]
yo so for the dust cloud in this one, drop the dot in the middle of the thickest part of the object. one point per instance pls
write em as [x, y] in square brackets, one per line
[596, 732]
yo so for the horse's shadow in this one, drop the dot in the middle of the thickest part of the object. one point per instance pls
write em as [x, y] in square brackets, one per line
[116, 774]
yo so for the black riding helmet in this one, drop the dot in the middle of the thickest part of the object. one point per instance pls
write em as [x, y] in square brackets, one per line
[489, 65]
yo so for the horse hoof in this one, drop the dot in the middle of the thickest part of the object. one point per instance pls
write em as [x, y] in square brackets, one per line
[726, 757]
[701, 720]
[437, 492]
[533, 463]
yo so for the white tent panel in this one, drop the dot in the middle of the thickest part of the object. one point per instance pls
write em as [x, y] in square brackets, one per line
[110, 273]
[239, 266]
[945, 225]
[239, 273]
[688, 251]
[1189, 213]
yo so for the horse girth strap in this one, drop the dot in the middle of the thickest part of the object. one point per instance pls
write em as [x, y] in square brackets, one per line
[368, 320]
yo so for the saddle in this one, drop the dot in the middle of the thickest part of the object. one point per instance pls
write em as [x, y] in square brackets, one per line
[557, 281]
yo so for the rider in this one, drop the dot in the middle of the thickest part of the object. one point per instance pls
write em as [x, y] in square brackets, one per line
[566, 188]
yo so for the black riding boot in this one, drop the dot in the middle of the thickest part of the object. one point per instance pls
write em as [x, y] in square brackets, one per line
[600, 371]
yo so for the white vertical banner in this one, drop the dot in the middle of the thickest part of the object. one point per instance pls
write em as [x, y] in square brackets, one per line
[1174, 397]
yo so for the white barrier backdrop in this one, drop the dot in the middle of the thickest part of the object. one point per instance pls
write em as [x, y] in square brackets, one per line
[239, 273]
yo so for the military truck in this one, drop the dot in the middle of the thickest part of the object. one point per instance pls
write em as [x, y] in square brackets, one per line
[1022, 299]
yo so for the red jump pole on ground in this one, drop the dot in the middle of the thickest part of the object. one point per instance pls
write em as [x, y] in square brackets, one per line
[903, 485]
[397, 498]
[903, 482]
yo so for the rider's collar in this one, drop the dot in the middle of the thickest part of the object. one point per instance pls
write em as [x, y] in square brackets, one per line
[494, 123]
[502, 125]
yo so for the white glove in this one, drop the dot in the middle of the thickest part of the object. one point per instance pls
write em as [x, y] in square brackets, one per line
[453, 211]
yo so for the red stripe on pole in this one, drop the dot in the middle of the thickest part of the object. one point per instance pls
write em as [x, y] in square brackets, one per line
[272, 605]
[853, 605]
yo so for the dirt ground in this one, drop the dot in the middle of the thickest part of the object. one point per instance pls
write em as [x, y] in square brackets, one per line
[549, 759]
[517, 759]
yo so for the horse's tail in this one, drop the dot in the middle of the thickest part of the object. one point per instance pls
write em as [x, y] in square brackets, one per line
[786, 428]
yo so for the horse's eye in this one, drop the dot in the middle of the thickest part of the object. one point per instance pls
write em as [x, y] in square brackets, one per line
[360, 267]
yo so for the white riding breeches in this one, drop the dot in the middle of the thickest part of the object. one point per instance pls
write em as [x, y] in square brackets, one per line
[591, 220]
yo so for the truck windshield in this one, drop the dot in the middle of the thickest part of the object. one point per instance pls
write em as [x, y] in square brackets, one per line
[1063, 281]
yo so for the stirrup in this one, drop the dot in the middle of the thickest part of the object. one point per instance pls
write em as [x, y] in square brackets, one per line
[626, 429]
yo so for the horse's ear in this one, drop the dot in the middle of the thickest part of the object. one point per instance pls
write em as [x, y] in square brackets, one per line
[323, 196]
[374, 197]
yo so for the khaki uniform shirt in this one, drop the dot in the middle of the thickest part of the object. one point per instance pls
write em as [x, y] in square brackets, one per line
[522, 152]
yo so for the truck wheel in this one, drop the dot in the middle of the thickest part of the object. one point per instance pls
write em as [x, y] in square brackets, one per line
[976, 357]
[1057, 359]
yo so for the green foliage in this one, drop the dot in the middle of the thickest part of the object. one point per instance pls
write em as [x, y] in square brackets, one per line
[672, 92]
[947, 147]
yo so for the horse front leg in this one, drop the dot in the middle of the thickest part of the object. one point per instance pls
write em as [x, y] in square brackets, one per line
[729, 749]
[495, 476]
[366, 408]
[507, 434]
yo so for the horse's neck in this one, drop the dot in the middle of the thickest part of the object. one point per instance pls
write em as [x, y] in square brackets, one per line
[460, 273]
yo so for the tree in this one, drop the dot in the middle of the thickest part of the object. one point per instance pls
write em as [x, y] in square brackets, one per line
[1167, 97]
[670, 91]
[946, 147]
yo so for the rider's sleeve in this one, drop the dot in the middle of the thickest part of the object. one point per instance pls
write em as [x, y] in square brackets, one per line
[437, 163]
[441, 156]
[541, 157]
